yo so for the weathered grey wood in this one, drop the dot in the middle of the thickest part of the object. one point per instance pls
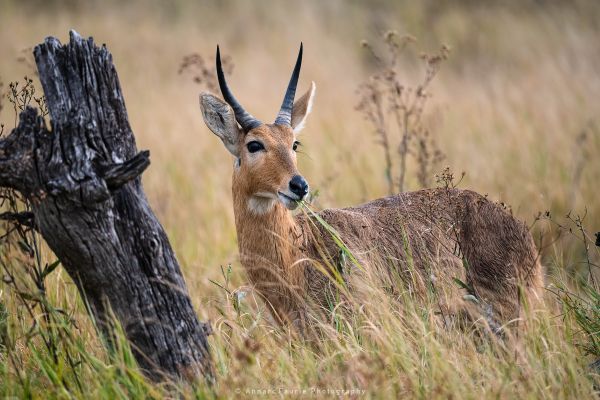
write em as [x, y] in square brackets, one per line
[82, 179]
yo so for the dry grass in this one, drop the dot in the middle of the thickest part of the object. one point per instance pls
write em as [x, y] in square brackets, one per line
[515, 106]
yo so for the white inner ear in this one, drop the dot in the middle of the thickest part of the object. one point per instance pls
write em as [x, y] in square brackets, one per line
[220, 119]
[311, 98]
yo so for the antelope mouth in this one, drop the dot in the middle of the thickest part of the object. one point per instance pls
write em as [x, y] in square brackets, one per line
[289, 200]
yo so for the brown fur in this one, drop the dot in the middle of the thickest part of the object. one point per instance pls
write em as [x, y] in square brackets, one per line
[437, 227]
[425, 238]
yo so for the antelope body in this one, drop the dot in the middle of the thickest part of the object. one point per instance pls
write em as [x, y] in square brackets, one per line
[427, 237]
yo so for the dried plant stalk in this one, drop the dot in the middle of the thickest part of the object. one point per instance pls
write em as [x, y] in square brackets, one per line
[390, 105]
[203, 73]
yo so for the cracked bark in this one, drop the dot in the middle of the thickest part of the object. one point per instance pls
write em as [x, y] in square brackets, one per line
[82, 178]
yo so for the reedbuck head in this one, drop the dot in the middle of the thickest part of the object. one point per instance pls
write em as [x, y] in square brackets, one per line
[265, 168]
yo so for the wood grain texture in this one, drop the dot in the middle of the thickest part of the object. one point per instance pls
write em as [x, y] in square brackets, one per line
[83, 180]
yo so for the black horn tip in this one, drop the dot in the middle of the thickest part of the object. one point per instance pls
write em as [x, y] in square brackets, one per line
[300, 52]
[246, 121]
[218, 58]
[284, 117]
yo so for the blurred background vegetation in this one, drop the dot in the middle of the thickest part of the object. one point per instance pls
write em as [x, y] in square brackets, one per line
[514, 106]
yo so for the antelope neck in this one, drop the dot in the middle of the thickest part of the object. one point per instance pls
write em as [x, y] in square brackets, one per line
[265, 240]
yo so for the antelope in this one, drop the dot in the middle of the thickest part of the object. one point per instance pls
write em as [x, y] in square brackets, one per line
[441, 233]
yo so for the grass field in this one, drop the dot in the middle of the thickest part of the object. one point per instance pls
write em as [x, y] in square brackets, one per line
[515, 106]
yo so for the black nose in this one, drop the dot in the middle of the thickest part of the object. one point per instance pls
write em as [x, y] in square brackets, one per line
[299, 186]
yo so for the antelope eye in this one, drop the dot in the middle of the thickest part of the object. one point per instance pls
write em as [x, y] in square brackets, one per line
[296, 144]
[255, 146]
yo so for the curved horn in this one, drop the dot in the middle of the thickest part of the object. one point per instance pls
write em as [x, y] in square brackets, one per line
[285, 114]
[246, 121]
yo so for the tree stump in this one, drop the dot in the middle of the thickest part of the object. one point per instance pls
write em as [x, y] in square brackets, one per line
[82, 178]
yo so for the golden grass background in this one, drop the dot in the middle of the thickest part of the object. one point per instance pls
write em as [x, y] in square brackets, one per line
[522, 83]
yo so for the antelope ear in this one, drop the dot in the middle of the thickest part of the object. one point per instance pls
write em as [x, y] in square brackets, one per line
[302, 108]
[220, 119]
